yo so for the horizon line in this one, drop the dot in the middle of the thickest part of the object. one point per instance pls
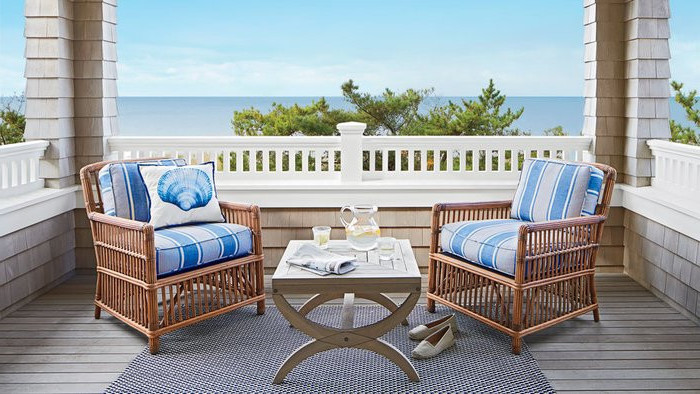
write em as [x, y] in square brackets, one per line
[319, 96]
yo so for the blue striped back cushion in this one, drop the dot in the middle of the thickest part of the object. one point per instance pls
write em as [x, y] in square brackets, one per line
[123, 192]
[595, 184]
[550, 190]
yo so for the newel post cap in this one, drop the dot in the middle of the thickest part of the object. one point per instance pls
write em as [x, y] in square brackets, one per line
[351, 128]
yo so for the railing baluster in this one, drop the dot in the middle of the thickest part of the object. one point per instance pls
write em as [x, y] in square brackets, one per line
[385, 160]
[331, 160]
[239, 161]
[489, 160]
[317, 160]
[252, 165]
[304, 160]
[226, 160]
[266, 160]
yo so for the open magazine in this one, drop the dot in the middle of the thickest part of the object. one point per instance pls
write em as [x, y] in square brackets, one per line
[312, 258]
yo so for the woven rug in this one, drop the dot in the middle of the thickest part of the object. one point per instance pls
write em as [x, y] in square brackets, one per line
[240, 352]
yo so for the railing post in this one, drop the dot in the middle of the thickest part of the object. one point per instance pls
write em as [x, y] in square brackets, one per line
[351, 151]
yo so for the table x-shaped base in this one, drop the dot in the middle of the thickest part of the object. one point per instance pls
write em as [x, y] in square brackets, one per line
[347, 336]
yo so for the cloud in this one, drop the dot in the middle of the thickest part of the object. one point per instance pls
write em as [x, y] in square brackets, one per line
[177, 71]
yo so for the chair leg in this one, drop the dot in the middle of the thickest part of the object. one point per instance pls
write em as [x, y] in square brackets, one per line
[594, 297]
[98, 296]
[154, 345]
[261, 307]
[517, 345]
[517, 319]
[430, 305]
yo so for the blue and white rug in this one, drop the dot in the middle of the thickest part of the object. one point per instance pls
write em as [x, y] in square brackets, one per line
[241, 351]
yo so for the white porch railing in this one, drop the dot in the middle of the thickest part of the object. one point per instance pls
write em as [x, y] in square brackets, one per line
[676, 168]
[19, 167]
[352, 158]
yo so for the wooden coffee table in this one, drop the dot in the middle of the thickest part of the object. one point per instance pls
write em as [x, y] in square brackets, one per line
[370, 280]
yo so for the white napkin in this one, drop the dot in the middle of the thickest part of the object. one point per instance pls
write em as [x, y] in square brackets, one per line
[314, 259]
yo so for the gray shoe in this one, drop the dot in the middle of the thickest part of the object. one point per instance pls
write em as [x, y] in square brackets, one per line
[424, 330]
[434, 344]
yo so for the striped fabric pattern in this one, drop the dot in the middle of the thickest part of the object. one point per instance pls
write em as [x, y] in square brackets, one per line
[595, 184]
[183, 248]
[105, 181]
[122, 186]
[489, 243]
[550, 190]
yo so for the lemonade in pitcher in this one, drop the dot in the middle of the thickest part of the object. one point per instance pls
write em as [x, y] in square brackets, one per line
[362, 230]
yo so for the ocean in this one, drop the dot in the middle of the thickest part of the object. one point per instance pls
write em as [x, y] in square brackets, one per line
[212, 115]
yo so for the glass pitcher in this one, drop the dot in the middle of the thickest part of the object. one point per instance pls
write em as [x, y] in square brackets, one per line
[361, 231]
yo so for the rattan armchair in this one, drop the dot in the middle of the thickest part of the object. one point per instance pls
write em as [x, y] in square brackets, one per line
[554, 273]
[127, 283]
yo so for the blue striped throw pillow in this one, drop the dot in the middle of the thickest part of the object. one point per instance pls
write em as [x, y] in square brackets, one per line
[550, 190]
[595, 184]
[123, 191]
[105, 181]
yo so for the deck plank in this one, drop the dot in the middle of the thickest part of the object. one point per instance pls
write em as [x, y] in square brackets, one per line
[53, 344]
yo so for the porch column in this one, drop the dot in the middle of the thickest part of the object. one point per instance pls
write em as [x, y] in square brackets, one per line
[71, 82]
[627, 82]
[95, 78]
[49, 92]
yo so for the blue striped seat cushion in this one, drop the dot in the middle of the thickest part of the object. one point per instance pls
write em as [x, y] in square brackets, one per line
[489, 243]
[550, 190]
[184, 248]
[123, 192]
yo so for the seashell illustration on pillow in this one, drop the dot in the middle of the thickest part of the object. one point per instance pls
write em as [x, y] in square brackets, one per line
[187, 188]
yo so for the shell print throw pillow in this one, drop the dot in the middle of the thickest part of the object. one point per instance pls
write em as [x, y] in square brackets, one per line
[181, 195]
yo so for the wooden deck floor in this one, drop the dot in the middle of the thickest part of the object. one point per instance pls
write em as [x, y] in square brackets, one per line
[54, 344]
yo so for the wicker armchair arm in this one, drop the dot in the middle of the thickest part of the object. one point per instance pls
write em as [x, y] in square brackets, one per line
[247, 215]
[445, 213]
[471, 206]
[557, 248]
[124, 246]
[117, 221]
[564, 223]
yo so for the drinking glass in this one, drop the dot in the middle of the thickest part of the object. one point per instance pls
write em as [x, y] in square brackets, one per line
[321, 236]
[386, 247]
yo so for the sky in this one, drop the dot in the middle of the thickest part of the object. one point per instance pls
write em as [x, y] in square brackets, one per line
[308, 48]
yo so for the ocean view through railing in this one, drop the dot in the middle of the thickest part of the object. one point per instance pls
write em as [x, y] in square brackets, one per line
[354, 158]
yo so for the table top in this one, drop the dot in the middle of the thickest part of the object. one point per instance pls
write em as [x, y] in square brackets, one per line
[401, 274]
